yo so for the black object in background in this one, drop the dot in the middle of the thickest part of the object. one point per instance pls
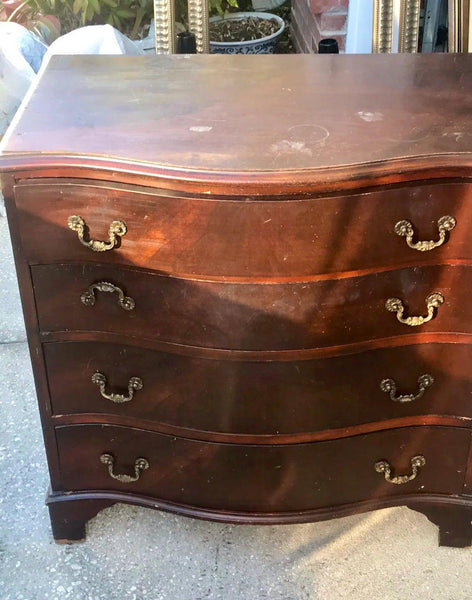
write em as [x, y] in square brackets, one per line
[186, 43]
[328, 46]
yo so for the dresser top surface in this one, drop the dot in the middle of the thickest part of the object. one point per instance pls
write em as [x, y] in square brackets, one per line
[248, 113]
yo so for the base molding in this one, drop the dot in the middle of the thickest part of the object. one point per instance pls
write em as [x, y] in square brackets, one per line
[69, 516]
[454, 522]
[69, 513]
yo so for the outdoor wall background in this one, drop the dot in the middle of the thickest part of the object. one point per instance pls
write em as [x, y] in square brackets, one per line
[313, 20]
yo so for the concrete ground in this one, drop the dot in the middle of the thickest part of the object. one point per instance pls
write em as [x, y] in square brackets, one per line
[138, 554]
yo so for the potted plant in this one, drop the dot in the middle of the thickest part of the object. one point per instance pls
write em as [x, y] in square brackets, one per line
[45, 26]
[242, 32]
[131, 17]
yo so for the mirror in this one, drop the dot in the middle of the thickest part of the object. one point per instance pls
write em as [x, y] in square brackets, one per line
[422, 26]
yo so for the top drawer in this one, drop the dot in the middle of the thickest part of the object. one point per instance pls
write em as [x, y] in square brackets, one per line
[243, 238]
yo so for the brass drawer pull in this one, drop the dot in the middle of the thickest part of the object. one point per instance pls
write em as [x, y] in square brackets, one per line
[382, 466]
[88, 297]
[433, 301]
[116, 230]
[405, 229]
[140, 465]
[134, 384]
[390, 387]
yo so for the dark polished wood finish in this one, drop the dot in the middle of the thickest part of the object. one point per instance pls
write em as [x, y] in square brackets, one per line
[324, 115]
[215, 238]
[251, 316]
[260, 251]
[275, 478]
[68, 519]
[276, 399]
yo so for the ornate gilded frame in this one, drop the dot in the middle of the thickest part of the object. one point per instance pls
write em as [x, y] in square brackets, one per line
[384, 24]
[469, 27]
[164, 24]
[198, 24]
[409, 25]
[382, 27]
[460, 25]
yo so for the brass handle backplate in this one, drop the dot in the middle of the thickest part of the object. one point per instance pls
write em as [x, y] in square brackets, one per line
[134, 384]
[116, 230]
[405, 229]
[390, 387]
[140, 465]
[88, 297]
[382, 466]
[433, 301]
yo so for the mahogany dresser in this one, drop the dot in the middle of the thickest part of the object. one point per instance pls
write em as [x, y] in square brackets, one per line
[247, 284]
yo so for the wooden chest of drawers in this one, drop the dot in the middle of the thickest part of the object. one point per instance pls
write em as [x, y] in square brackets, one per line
[246, 284]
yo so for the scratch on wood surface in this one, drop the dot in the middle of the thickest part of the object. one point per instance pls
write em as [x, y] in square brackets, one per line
[370, 117]
[290, 147]
[200, 128]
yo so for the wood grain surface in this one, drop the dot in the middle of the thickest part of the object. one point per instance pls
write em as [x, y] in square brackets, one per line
[260, 252]
[243, 239]
[274, 401]
[262, 478]
[180, 111]
[240, 316]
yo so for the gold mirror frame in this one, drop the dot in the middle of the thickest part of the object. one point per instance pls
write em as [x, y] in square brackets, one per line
[198, 23]
[164, 26]
[460, 25]
[383, 23]
[459, 17]
[409, 25]
[382, 27]
[164, 23]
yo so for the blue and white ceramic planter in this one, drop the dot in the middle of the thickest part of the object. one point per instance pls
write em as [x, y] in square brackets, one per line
[265, 45]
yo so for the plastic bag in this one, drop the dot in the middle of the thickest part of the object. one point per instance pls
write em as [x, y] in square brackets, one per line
[21, 55]
[93, 39]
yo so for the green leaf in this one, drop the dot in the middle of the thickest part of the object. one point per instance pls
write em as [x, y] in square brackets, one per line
[89, 12]
[117, 22]
[125, 13]
[95, 5]
[77, 6]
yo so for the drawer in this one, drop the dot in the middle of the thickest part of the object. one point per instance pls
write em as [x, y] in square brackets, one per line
[243, 316]
[259, 398]
[243, 238]
[261, 477]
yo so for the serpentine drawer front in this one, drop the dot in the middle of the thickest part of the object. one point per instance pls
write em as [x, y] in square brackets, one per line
[250, 316]
[254, 478]
[277, 398]
[250, 303]
[214, 238]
